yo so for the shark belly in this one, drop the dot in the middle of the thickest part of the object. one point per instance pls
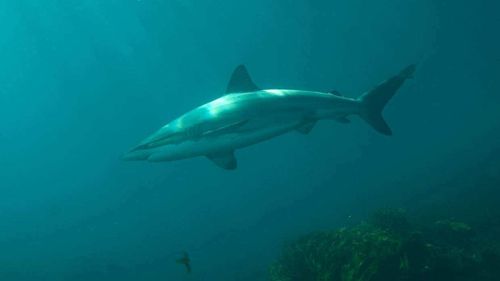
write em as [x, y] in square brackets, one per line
[222, 143]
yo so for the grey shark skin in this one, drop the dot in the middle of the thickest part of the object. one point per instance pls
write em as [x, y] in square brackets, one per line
[248, 115]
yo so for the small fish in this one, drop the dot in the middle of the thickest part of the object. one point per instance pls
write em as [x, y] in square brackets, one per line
[185, 261]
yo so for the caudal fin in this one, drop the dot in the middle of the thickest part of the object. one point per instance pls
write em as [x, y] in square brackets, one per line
[374, 101]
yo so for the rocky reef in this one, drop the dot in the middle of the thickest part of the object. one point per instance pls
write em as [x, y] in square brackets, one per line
[389, 247]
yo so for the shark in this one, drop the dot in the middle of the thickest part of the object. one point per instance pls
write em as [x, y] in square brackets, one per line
[246, 115]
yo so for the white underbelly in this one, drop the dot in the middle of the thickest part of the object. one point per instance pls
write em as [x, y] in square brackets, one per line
[226, 142]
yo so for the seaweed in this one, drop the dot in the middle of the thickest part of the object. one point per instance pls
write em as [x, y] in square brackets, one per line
[388, 247]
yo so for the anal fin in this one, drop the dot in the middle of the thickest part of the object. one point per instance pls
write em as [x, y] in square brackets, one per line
[225, 160]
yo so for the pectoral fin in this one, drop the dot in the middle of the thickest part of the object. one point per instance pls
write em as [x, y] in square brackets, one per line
[306, 127]
[225, 160]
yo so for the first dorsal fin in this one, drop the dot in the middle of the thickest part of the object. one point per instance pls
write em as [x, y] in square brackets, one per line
[241, 81]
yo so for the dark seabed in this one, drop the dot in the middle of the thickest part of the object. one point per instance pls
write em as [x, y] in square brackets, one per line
[82, 82]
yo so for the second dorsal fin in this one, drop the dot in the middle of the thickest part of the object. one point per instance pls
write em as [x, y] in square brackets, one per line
[241, 81]
[336, 93]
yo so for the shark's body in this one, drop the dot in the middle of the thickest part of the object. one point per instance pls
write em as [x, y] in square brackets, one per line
[247, 115]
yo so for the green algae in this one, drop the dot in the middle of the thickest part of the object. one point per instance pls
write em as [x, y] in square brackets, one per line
[387, 247]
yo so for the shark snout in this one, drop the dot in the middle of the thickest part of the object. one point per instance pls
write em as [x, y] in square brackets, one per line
[135, 155]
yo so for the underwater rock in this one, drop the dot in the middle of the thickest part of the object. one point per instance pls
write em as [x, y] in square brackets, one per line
[386, 248]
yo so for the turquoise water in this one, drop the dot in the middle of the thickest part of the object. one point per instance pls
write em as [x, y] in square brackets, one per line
[82, 82]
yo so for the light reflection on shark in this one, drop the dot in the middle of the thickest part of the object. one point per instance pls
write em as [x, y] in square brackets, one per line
[247, 115]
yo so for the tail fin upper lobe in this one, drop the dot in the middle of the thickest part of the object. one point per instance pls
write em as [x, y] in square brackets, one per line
[374, 101]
